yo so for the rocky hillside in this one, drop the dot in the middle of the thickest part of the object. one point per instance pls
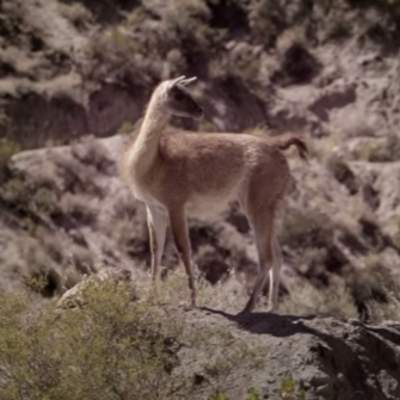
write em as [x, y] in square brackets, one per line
[72, 72]
[328, 69]
[66, 213]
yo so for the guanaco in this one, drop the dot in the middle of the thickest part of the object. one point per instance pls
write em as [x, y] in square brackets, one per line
[180, 173]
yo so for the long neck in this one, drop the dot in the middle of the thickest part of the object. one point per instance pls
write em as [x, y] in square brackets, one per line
[145, 148]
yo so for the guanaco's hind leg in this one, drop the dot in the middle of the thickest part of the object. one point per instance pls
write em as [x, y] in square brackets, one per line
[262, 222]
[181, 236]
[274, 275]
[157, 221]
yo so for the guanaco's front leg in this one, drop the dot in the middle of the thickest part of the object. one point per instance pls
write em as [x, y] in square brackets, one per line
[181, 236]
[157, 221]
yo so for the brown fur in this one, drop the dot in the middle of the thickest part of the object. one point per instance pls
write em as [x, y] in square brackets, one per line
[178, 173]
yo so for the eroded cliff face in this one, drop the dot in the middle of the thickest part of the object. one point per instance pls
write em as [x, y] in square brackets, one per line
[70, 69]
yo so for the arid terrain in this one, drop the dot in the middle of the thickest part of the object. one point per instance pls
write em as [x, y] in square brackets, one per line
[74, 81]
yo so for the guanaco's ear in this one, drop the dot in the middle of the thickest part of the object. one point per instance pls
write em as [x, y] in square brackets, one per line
[187, 81]
[174, 82]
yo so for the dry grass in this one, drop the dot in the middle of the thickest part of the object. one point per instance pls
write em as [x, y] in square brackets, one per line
[77, 13]
[334, 300]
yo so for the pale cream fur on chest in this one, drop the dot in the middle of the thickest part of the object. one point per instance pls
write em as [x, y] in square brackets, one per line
[205, 205]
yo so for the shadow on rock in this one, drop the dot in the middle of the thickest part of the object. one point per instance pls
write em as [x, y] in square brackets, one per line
[269, 323]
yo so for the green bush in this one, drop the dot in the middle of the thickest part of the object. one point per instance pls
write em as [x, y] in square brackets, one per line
[107, 349]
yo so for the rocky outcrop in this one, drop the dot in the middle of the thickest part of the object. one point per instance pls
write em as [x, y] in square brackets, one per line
[279, 356]
[328, 358]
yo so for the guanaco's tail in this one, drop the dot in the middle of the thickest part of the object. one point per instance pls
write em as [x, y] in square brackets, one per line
[283, 142]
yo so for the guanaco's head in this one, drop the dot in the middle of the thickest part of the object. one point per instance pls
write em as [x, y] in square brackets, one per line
[176, 98]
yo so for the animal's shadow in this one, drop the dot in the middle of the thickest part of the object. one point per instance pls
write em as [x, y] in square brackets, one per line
[269, 323]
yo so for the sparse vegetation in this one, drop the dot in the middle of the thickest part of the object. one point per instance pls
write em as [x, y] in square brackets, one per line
[253, 394]
[77, 13]
[4, 121]
[218, 396]
[126, 128]
[8, 148]
[370, 295]
[100, 351]
[291, 390]
[379, 150]
[335, 300]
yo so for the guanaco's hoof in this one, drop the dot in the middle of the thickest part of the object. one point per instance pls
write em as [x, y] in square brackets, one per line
[244, 312]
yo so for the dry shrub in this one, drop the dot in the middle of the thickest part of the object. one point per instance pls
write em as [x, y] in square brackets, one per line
[375, 291]
[77, 13]
[107, 349]
[334, 300]
[379, 150]
[370, 294]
